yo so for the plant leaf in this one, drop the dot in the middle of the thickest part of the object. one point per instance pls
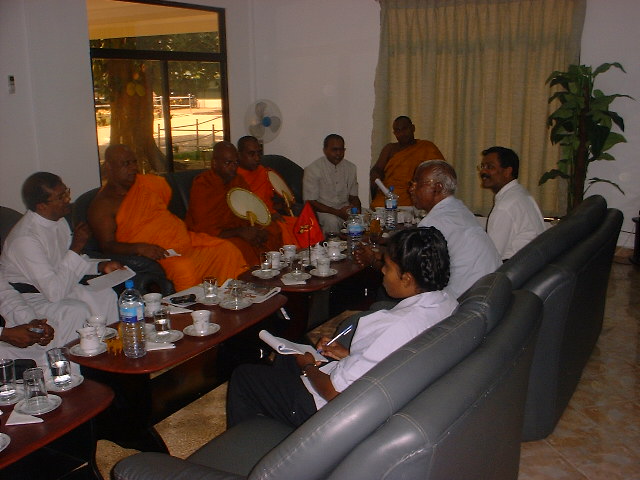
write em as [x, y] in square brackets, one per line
[593, 180]
[554, 173]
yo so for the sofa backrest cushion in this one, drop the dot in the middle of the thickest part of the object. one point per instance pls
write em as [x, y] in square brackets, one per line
[180, 183]
[554, 241]
[8, 218]
[467, 423]
[316, 447]
[79, 214]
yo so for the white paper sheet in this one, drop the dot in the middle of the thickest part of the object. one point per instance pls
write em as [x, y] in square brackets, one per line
[110, 280]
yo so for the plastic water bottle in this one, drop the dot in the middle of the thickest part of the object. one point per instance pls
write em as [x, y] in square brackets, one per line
[131, 308]
[391, 210]
[355, 229]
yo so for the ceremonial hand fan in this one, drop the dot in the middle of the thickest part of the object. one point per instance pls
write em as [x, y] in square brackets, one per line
[281, 188]
[248, 206]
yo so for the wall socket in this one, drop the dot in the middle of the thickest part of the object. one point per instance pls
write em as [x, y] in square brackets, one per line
[12, 84]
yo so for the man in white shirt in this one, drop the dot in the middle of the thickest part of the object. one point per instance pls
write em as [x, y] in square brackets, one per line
[471, 251]
[41, 259]
[515, 219]
[25, 336]
[330, 185]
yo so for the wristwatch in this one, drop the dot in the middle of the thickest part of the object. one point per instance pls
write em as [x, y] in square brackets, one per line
[304, 369]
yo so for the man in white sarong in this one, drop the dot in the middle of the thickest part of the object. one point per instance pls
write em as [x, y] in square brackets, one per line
[41, 259]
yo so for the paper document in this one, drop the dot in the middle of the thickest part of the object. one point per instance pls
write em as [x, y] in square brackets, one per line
[286, 347]
[110, 280]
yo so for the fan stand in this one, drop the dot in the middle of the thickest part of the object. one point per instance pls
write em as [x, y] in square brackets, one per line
[252, 218]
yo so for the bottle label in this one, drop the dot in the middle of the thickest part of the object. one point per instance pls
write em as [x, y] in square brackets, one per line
[129, 314]
[391, 203]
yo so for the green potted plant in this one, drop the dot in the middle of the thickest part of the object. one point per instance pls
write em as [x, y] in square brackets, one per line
[582, 126]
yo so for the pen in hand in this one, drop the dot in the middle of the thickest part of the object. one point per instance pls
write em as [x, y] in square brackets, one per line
[342, 333]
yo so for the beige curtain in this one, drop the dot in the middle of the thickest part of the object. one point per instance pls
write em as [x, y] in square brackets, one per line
[471, 74]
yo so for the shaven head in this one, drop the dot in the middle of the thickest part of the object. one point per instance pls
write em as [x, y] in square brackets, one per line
[121, 166]
[225, 160]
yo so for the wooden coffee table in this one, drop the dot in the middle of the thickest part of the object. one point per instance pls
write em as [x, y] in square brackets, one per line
[150, 388]
[302, 299]
[66, 432]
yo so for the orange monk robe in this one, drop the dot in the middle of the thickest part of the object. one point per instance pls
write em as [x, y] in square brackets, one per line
[400, 167]
[143, 217]
[259, 183]
[209, 213]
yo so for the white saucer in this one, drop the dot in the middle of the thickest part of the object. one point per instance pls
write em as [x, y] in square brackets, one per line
[337, 258]
[76, 350]
[53, 402]
[297, 277]
[5, 440]
[170, 337]
[231, 304]
[189, 330]
[330, 273]
[109, 333]
[206, 301]
[265, 274]
[75, 381]
[16, 398]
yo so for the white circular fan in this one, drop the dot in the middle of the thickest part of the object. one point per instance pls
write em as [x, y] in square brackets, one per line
[248, 206]
[263, 120]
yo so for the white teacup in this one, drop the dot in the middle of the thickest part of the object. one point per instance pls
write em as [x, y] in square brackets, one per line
[89, 340]
[99, 322]
[276, 259]
[288, 252]
[152, 302]
[201, 321]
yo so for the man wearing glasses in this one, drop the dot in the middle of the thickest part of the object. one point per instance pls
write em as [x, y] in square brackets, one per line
[515, 218]
[41, 259]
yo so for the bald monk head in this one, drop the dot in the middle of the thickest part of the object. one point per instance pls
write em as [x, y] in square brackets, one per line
[225, 161]
[404, 130]
[121, 166]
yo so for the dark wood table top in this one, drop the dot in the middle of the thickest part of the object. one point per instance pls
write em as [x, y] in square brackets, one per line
[346, 268]
[231, 323]
[79, 405]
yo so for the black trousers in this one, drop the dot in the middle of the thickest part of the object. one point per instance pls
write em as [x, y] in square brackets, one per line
[275, 391]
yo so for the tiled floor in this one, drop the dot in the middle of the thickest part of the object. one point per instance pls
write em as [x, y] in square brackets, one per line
[598, 437]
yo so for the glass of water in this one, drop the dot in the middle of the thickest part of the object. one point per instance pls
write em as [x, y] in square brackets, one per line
[8, 392]
[59, 364]
[210, 286]
[162, 323]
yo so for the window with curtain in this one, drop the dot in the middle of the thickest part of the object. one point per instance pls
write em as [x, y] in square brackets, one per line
[471, 74]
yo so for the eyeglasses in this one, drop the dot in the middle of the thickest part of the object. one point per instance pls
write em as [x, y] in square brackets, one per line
[414, 184]
[61, 197]
[486, 166]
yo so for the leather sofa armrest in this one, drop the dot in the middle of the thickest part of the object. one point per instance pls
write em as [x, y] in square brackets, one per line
[160, 466]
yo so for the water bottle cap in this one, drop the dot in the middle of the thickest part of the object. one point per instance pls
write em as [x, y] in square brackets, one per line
[391, 188]
[354, 210]
[128, 284]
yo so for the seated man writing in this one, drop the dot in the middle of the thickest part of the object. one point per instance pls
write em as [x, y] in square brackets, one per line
[130, 216]
[295, 387]
[257, 177]
[398, 161]
[209, 212]
[41, 259]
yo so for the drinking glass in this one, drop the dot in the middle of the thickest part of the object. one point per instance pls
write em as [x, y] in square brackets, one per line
[265, 262]
[60, 368]
[210, 286]
[162, 323]
[7, 381]
[35, 393]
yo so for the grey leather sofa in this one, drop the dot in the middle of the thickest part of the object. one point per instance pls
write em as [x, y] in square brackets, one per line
[568, 268]
[447, 405]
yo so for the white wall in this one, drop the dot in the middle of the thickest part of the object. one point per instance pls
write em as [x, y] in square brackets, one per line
[315, 59]
[611, 34]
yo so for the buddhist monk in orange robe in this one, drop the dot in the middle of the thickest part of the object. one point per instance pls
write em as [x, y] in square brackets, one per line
[398, 161]
[209, 212]
[257, 177]
[130, 216]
